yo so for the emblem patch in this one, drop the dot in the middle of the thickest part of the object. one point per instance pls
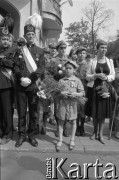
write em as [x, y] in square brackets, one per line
[5, 30]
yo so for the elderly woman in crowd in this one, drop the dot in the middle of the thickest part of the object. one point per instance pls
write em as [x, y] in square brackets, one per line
[99, 75]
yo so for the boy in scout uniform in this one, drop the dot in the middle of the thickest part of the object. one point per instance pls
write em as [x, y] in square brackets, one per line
[26, 86]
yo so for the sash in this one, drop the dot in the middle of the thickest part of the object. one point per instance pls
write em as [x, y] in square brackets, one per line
[30, 63]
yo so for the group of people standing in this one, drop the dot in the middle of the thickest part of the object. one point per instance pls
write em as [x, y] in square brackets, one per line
[78, 73]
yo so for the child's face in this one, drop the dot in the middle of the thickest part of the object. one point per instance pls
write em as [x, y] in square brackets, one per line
[69, 70]
[5, 41]
[81, 55]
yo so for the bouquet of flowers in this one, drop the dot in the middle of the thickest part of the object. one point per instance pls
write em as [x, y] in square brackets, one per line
[49, 87]
[103, 89]
[81, 100]
[21, 42]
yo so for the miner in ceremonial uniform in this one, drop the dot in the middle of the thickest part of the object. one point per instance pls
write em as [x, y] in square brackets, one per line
[29, 66]
[6, 88]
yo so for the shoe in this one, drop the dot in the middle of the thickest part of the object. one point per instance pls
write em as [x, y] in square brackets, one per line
[52, 122]
[101, 140]
[93, 136]
[43, 130]
[58, 146]
[33, 141]
[117, 135]
[82, 132]
[20, 142]
[5, 139]
[72, 145]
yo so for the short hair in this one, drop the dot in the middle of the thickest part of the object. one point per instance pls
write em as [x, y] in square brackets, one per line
[100, 42]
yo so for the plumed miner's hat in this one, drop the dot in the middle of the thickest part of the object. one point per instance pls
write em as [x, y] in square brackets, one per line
[4, 32]
[29, 28]
[6, 25]
[34, 22]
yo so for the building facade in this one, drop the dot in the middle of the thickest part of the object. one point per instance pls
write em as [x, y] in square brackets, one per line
[20, 10]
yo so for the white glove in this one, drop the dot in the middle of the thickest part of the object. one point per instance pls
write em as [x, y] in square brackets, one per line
[25, 82]
[105, 95]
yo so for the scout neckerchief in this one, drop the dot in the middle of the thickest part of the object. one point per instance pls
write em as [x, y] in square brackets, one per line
[30, 63]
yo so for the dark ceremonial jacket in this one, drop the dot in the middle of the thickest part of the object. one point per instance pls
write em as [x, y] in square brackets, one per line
[5, 62]
[20, 68]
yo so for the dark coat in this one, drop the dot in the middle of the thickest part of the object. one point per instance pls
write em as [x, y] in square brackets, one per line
[20, 69]
[5, 82]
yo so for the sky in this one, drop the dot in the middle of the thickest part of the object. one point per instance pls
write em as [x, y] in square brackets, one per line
[74, 13]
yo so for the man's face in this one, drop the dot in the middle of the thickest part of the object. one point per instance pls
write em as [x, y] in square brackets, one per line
[62, 50]
[5, 41]
[81, 56]
[52, 50]
[30, 37]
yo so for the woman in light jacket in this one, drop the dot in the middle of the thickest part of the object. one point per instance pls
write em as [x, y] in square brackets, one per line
[99, 76]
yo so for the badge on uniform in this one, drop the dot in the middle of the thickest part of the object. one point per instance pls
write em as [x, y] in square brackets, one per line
[37, 57]
[20, 56]
[72, 84]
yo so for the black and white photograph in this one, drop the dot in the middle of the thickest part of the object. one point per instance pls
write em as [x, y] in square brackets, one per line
[59, 89]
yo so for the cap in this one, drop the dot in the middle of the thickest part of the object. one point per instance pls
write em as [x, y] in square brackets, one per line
[75, 65]
[80, 49]
[52, 45]
[61, 44]
[29, 28]
[46, 50]
[4, 31]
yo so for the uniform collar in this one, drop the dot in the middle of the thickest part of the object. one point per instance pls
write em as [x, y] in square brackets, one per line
[80, 63]
[30, 45]
[69, 78]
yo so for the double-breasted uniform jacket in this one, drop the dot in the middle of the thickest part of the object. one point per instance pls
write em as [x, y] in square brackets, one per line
[20, 68]
[5, 82]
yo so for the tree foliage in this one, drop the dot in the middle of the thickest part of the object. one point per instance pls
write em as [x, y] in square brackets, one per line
[98, 17]
[78, 34]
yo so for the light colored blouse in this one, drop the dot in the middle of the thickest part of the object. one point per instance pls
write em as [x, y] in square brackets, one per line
[91, 71]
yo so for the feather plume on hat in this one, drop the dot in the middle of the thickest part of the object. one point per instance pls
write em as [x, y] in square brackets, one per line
[8, 23]
[35, 20]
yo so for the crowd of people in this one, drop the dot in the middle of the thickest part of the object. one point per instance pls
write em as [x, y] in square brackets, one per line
[80, 75]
